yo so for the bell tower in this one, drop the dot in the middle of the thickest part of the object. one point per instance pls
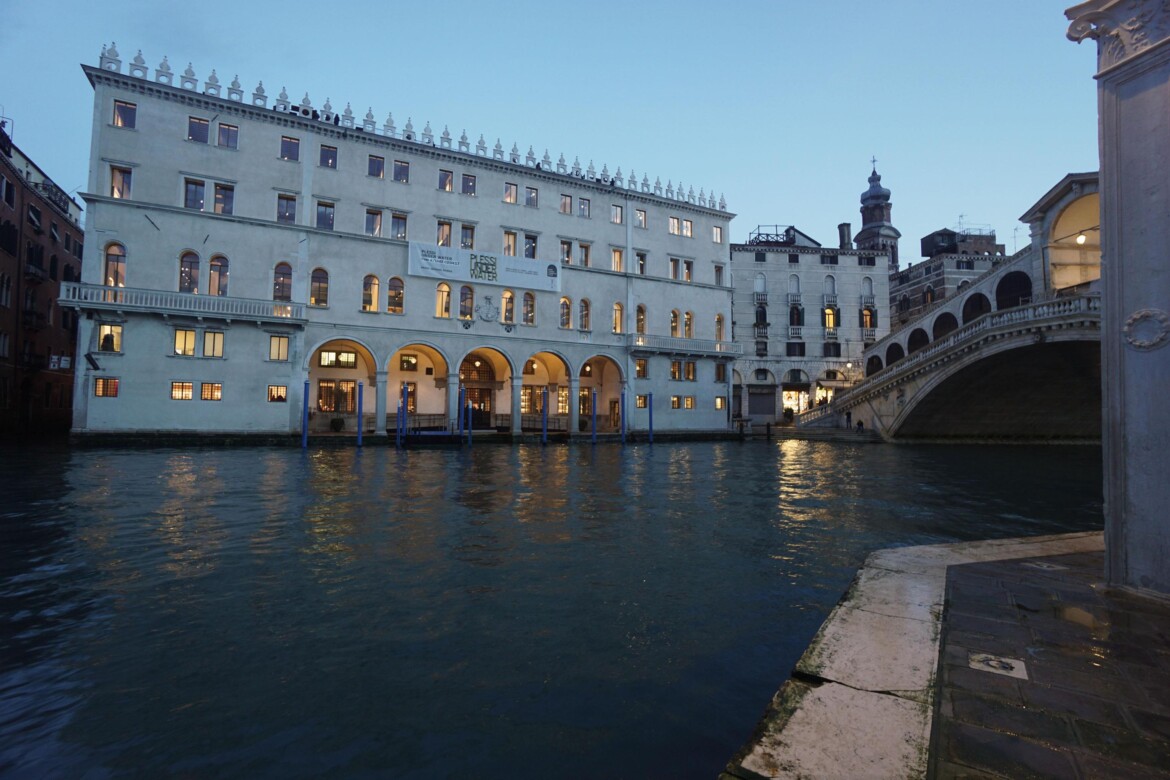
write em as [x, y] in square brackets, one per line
[877, 232]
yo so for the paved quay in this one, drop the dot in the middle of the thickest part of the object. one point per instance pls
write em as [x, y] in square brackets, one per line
[996, 659]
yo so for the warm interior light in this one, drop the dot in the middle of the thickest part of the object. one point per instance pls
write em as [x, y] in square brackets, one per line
[477, 364]
[1081, 238]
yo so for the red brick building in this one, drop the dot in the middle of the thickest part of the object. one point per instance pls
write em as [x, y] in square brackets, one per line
[40, 247]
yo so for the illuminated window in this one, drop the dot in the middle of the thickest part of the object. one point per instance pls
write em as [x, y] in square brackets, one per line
[719, 327]
[193, 190]
[640, 218]
[674, 322]
[395, 295]
[688, 325]
[467, 237]
[408, 362]
[229, 136]
[125, 115]
[282, 282]
[446, 181]
[443, 236]
[181, 391]
[211, 391]
[319, 287]
[530, 246]
[641, 368]
[618, 318]
[120, 179]
[509, 192]
[370, 293]
[640, 319]
[286, 209]
[566, 252]
[290, 148]
[829, 317]
[688, 270]
[615, 257]
[688, 402]
[278, 348]
[337, 395]
[566, 313]
[105, 387]
[562, 400]
[583, 207]
[184, 342]
[213, 343]
[331, 358]
[641, 401]
[443, 300]
[189, 273]
[676, 402]
[466, 302]
[376, 167]
[530, 197]
[277, 394]
[225, 198]
[676, 370]
[324, 215]
[686, 228]
[510, 243]
[398, 226]
[717, 234]
[720, 402]
[402, 171]
[197, 130]
[328, 156]
[109, 338]
[468, 184]
[529, 309]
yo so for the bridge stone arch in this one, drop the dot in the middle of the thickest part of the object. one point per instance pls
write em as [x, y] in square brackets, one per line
[873, 365]
[894, 353]
[918, 339]
[976, 305]
[944, 324]
[1014, 289]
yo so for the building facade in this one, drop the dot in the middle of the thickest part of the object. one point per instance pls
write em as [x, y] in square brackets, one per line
[953, 260]
[246, 257]
[804, 313]
[40, 248]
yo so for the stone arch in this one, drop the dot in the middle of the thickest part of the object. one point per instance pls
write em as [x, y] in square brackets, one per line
[601, 373]
[423, 368]
[1014, 289]
[894, 353]
[918, 339]
[341, 369]
[944, 324]
[873, 365]
[485, 375]
[976, 305]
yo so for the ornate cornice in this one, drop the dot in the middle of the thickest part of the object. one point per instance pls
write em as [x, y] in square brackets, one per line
[1122, 28]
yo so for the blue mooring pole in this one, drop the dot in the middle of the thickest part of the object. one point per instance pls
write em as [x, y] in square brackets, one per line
[361, 420]
[460, 414]
[405, 410]
[544, 417]
[467, 412]
[650, 406]
[622, 411]
[305, 418]
[593, 409]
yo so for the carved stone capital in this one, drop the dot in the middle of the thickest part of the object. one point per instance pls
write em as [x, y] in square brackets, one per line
[1122, 28]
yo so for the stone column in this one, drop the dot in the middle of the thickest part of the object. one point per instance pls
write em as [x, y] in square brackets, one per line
[574, 404]
[380, 390]
[1133, 99]
[453, 409]
[517, 385]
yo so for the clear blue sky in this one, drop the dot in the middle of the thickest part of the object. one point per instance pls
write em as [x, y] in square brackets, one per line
[971, 108]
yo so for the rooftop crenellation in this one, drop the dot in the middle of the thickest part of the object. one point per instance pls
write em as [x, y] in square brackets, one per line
[110, 60]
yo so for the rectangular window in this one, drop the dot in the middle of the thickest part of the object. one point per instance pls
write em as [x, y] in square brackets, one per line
[566, 204]
[674, 267]
[373, 222]
[583, 255]
[689, 371]
[832, 349]
[794, 349]
[583, 207]
[408, 363]
[676, 402]
[125, 115]
[120, 182]
[446, 181]
[640, 218]
[688, 270]
[193, 194]
[641, 401]
[336, 395]
[402, 171]
[640, 257]
[828, 259]
[229, 136]
[286, 209]
[278, 348]
[720, 372]
[444, 234]
[213, 343]
[686, 228]
[688, 402]
[109, 338]
[718, 276]
[717, 234]
[673, 226]
[210, 391]
[566, 252]
[105, 387]
[468, 184]
[870, 261]
[615, 214]
[198, 129]
[720, 402]
[328, 156]
[9, 192]
[510, 243]
[225, 198]
[184, 342]
[510, 191]
[530, 246]
[467, 237]
[676, 369]
[324, 215]
[616, 259]
[181, 391]
[562, 400]
[329, 358]
[640, 368]
[290, 148]
[376, 167]
[530, 197]
[277, 394]
[398, 226]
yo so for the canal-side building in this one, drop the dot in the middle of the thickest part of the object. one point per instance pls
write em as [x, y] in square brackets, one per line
[953, 259]
[804, 314]
[247, 253]
[40, 248]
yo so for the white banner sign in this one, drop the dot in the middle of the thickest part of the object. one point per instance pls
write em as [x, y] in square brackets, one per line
[469, 265]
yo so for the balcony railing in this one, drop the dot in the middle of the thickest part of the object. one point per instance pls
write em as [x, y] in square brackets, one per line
[867, 300]
[830, 334]
[640, 342]
[795, 331]
[761, 331]
[96, 296]
[34, 273]
[830, 300]
[869, 335]
[761, 297]
[793, 299]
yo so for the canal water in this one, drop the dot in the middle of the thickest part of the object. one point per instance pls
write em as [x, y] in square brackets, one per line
[569, 612]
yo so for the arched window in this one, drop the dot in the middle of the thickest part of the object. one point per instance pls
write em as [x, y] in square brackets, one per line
[507, 306]
[189, 272]
[466, 302]
[830, 285]
[395, 295]
[674, 323]
[866, 286]
[618, 317]
[115, 265]
[761, 315]
[688, 325]
[761, 283]
[53, 265]
[794, 285]
[830, 317]
[529, 309]
[868, 318]
[370, 293]
[719, 327]
[640, 319]
[566, 313]
[928, 295]
[319, 288]
[282, 282]
[903, 304]
[443, 300]
[796, 316]
[217, 282]
[583, 321]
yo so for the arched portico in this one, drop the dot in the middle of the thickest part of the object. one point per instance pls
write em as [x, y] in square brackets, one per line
[336, 368]
[603, 375]
[486, 377]
[541, 372]
[422, 371]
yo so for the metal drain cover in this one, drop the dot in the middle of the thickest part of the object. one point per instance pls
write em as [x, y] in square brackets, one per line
[996, 664]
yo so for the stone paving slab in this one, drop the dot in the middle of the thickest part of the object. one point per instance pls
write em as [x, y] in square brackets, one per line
[860, 703]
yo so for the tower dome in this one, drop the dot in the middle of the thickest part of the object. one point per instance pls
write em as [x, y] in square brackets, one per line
[876, 194]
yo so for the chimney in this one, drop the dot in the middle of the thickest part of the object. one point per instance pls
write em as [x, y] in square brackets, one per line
[845, 230]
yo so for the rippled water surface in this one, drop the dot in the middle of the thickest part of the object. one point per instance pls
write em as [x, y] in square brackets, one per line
[495, 612]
